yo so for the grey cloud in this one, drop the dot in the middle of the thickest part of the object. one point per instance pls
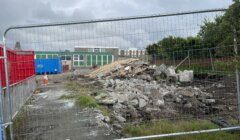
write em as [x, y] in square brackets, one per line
[121, 34]
[15, 12]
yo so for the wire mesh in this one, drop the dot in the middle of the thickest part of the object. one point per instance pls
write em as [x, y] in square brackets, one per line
[83, 45]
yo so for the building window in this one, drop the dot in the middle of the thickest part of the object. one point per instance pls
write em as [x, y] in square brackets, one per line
[52, 56]
[65, 57]
[78, 60]
[81, 58]
[46, 56]
[90, 49]
[97, 50]
[75, 57]
[41, 56]
[68, 57]
[38, 56]
[55, 56]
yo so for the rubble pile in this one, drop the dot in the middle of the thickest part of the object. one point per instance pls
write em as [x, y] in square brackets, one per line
[110, 68]
[133, 68]
[136, 90]
[139, 99]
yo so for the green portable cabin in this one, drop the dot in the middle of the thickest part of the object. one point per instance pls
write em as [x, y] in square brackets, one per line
[79, 59]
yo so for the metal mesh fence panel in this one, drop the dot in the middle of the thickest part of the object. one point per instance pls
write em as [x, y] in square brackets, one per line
[146, 102]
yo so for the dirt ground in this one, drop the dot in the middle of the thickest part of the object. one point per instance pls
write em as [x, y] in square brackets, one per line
[46, 116]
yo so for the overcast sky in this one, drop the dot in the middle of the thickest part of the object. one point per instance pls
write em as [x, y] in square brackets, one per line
[21, 12]
[17, 12]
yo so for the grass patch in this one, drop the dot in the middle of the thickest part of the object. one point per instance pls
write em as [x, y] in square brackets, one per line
[82, 94]
[76, 90]
[73, 87]
[87, 101]
[166, 126]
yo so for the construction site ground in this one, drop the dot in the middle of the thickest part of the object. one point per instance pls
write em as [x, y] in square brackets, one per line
[46, 116]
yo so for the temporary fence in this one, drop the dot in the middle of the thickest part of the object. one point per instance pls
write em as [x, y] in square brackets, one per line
[20, 65]
[18, 84]
[211, 97]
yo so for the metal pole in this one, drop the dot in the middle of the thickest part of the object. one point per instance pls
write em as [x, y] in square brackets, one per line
[189, 59]
[2, 112]
[155, 59]
[7, 87]
[237, 72]
[182, 133]
[113, 19]
[174, 63]
[211, 59]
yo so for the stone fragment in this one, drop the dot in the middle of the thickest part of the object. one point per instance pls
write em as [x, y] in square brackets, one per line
[209, 101]
[160, 103]
[134, 102]
[108, 101]
[119, 118]
[106, 119]
[185, 76]
[187, 105]
[101, 96]
[142, 103]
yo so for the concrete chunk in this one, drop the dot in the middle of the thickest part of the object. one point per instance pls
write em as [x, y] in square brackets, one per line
[185, 76]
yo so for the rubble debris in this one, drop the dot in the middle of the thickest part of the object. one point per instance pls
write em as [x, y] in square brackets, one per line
[142, 103]
[171, 74]
[141, 99]
[134, 102]
[133, 68]
[108, 101]
[120, 118]
[137, 90]
[106, 119]
[110, 68]
[185, 76]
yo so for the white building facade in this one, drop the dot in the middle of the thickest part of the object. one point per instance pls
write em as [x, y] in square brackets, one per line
[132, 52]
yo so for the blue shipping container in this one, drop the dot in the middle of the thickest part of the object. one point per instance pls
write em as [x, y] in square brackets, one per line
[49, 66]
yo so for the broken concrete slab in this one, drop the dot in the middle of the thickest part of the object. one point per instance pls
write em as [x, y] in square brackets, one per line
[142, 103]
[107, 101]
[185, 76]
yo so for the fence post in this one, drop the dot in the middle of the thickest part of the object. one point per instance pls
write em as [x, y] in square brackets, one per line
[237, 73]
[189, 61]
[174, 63]
[155, 59]
[210, 53]
[7, 87]
[2, 128]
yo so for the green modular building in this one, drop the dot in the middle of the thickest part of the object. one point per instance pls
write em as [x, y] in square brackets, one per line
[77, 59]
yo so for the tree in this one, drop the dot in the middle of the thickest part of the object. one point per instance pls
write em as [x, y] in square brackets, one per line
[219, 33]
[169, 46]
